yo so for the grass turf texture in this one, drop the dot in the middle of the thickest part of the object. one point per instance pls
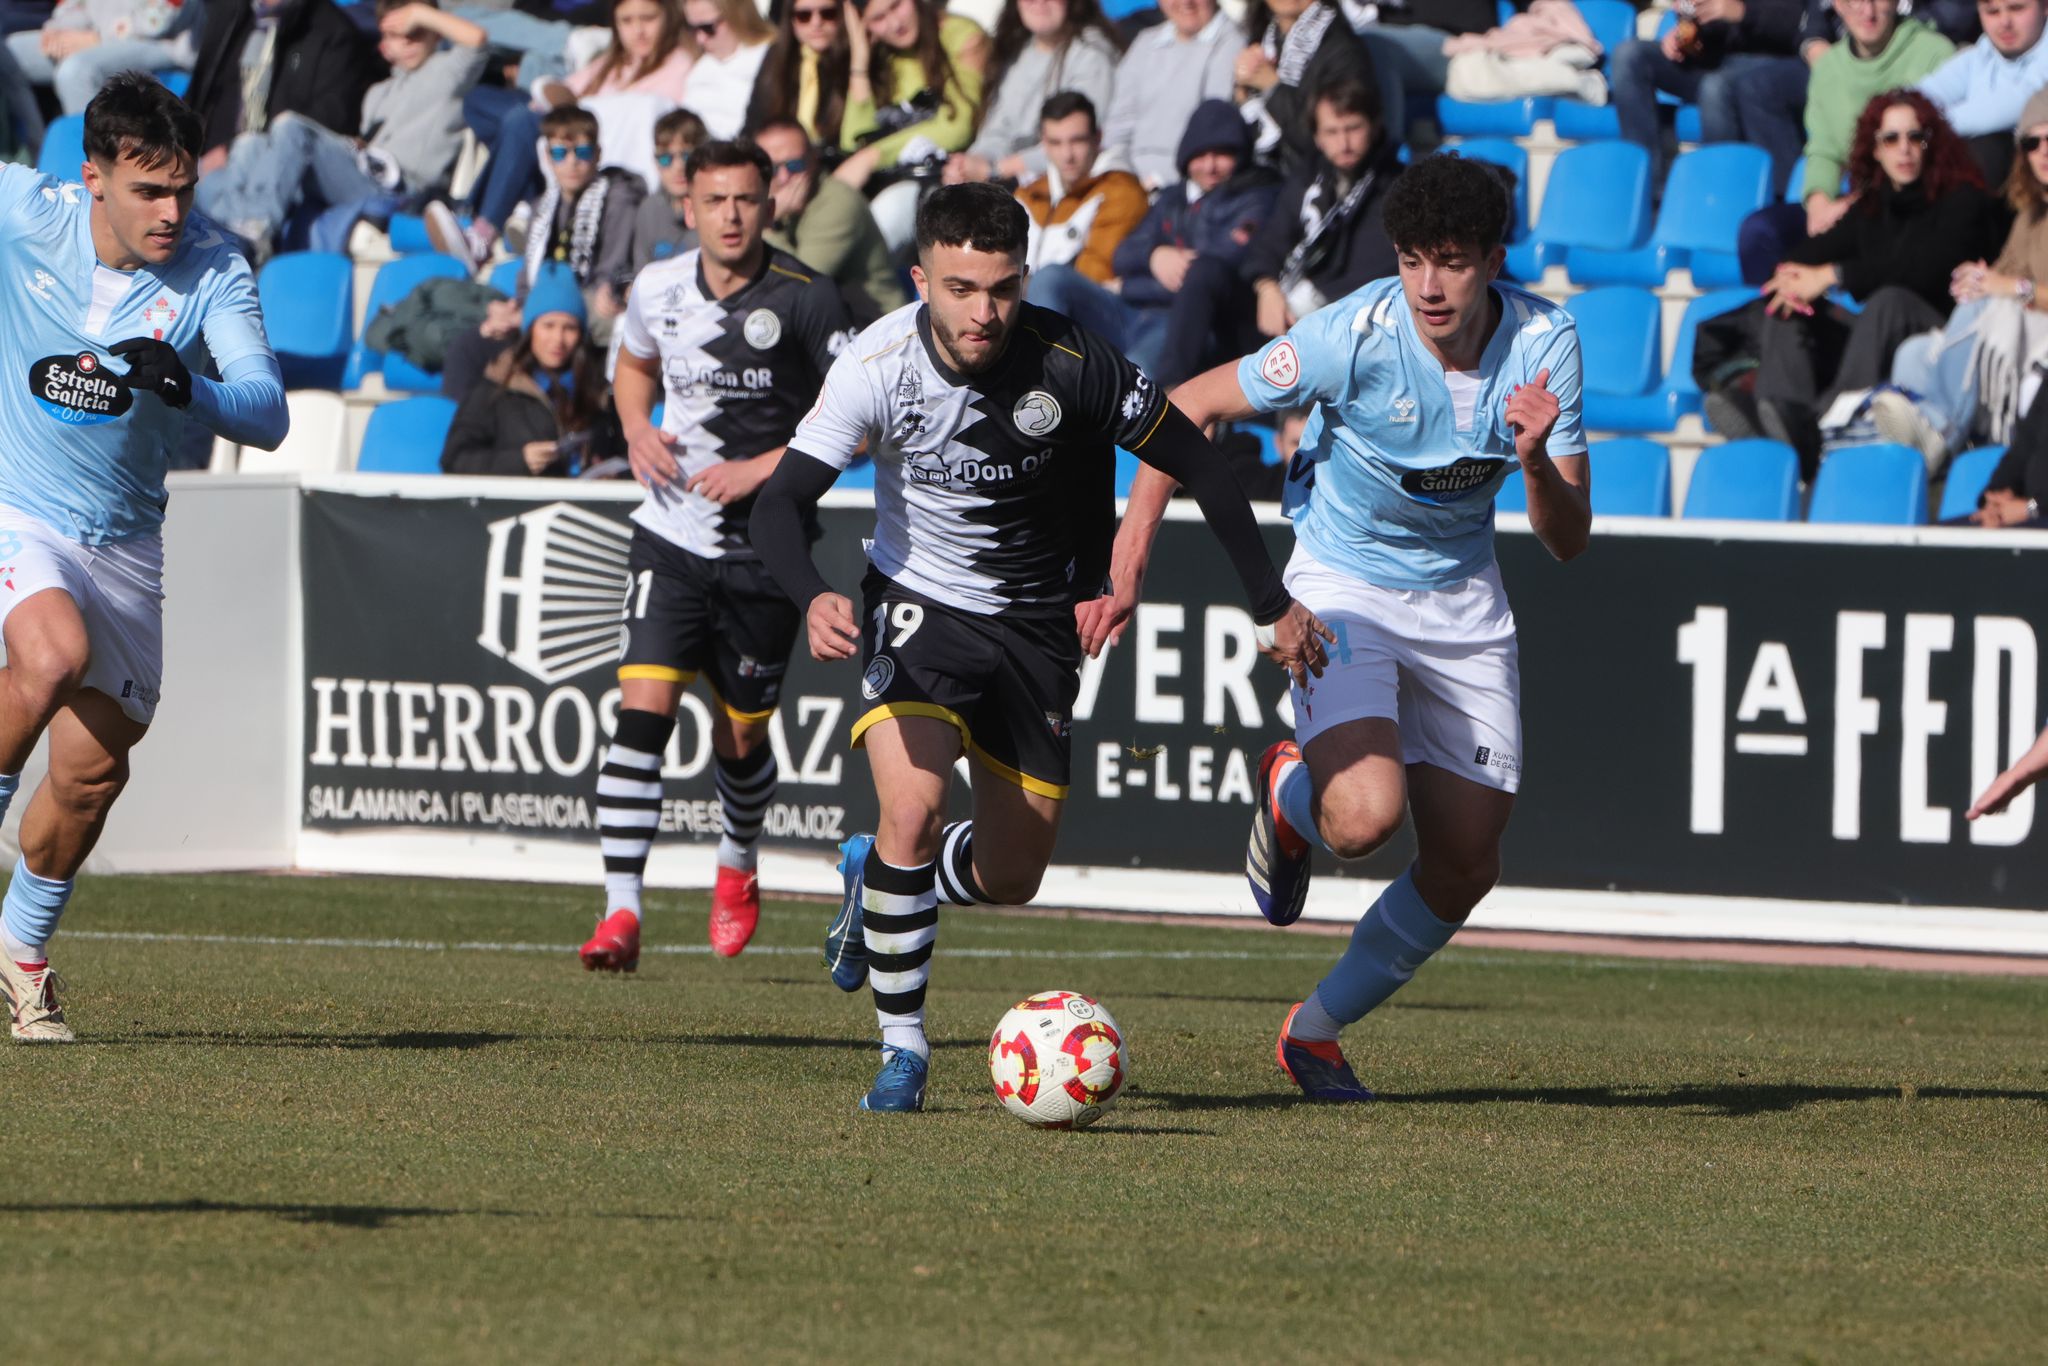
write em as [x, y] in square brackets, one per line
[269, 1151]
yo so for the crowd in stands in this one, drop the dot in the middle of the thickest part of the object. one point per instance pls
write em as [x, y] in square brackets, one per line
[1197, 180]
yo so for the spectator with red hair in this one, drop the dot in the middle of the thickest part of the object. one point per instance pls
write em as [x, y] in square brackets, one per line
[1919, 210]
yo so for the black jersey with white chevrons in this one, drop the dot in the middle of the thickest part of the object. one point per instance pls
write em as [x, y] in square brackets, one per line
[994, 492]
[737, 373]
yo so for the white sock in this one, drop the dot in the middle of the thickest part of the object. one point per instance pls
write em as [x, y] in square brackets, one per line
[909, 1037]
[1313, 1024]
[17, 950]
[622, 893]
[733, 854]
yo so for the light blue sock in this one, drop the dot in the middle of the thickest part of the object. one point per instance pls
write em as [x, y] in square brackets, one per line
[9, 784]
[30, 913]
[1297, 803]
[1395, 938]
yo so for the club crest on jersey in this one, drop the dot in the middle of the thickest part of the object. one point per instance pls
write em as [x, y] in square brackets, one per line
[881, 672]
[1282, 367]
[762, 329]
[1036, 414]
[1403, 410]
[160, 314]
[74, 390]
[1449, 483]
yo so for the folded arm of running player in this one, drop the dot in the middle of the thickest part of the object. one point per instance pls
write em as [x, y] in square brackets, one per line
[636, 386]
[1559, 510]
[246, 404]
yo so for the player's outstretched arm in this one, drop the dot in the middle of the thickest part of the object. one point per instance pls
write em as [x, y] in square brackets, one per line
[1207, 398]
[777, 528]
[1290, 633]
[1560, 510]
[2015, 780]
[636, 387]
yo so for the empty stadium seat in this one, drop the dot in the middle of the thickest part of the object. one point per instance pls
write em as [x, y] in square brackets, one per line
[1754, 480]
[1708, 194]
[1631, 478]
[63, 147]
[1968, 475]
[1511, 157]
[1598, 197]
[1619, 331]
[395, 280]
[1884, 484]
[317, 442]
[1514, 118]
[408, 233]
[177, 82]
[1613, 23]
[505, 277]
[406, 437]
[305, 297]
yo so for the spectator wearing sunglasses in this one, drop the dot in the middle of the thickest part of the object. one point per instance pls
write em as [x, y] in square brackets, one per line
[1919, 209]
[1982, 89]
[585, 218]
[650, 53]
[659, 231]
[732, 39]
[805, 74]
[826, 224]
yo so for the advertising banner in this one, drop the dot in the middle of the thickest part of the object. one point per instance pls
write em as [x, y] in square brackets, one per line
[1780, 718]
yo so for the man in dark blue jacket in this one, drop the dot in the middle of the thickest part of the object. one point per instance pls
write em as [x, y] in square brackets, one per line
[1179, 266]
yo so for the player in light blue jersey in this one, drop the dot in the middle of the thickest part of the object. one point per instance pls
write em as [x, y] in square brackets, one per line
[1429, 389]
[114, 293]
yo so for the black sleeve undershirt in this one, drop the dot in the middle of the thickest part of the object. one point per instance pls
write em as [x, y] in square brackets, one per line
[782, 510]
[1178, 450]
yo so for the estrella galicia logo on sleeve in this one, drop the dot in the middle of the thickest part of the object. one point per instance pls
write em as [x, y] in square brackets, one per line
[78, 390]
[1449, 483]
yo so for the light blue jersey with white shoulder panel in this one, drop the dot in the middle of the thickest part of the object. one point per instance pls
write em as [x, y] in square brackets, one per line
[1385, 487]
[79, 450]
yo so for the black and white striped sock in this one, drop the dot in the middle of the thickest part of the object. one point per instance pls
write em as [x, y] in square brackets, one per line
[745, 787]
[957, 883]
[900, 922]
[629, 803]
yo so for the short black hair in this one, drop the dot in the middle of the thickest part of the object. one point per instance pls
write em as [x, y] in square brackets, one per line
[720, 155]
[134, 115]
[1065, 105]
[566, 121]
[977, 215]
[1347, 95]
[1445, 201]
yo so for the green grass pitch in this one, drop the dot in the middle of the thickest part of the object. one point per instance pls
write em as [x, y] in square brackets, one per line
[279, 1141]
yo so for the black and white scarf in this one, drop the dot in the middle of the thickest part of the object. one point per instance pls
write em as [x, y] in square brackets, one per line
[1320, 219]
[1291, 58]
[586, 219]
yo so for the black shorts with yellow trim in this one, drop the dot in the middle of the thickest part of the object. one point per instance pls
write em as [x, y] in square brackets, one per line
[1008, 683]
[724, 618]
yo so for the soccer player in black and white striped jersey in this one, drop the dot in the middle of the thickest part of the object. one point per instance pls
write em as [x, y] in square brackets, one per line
[993, 426]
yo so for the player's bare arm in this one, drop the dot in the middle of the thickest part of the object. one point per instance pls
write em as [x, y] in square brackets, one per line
[2024, 773]
[731, 480]
[795, 487]
[635, 389]
[1560, 507]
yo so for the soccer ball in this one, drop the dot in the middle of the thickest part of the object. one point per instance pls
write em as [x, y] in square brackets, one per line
[1058, 1060]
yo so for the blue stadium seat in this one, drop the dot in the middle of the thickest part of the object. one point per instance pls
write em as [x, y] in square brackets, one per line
[1514, 493]
[1968, 474]
[1613, 23]
[406, 437]
[395, 280]
[1619, 331]
[1884, 484]
[408, 233]
[1598, 197]
[1678, 380]
[859, 475]
[177, 82]
[63, 147]
[1754, 480]
[505, 277]
[1511, 157]
[1631, 478]
[1685, 124]
[305, 297]
[1708, 194]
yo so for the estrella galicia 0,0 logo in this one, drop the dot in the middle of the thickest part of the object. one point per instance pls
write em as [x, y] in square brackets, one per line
[78, 389]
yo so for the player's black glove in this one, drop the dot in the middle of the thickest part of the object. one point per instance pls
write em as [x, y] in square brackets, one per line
[154, 365]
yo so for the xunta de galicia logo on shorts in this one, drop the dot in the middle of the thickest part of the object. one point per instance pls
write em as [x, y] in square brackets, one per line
[78, 390]
[1449, 483]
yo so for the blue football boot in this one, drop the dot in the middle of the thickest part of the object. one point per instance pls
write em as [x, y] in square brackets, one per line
[899, 1086]
[1276, 862]
[1318, 1069]
[846, 947]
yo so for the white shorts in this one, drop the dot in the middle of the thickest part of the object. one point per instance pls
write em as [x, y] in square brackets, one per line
[1440, 663]
[119, 589]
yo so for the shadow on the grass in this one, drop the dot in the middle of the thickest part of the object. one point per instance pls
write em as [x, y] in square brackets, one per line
[411, 1039]
[806, 1041]
[1195, 1100]
[1722, 1099]
[337, 1216]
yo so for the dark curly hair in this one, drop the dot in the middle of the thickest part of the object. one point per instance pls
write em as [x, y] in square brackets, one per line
[1445, 201]
[975, 214]
[1945, 166]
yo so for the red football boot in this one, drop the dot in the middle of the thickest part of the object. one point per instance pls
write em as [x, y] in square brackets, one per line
[735, 910]
[616, 945]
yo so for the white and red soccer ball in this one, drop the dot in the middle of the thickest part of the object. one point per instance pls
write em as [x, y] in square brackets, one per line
[1058, 1060]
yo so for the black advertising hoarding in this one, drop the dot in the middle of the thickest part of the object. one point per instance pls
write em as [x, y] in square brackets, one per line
[1763, 718]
